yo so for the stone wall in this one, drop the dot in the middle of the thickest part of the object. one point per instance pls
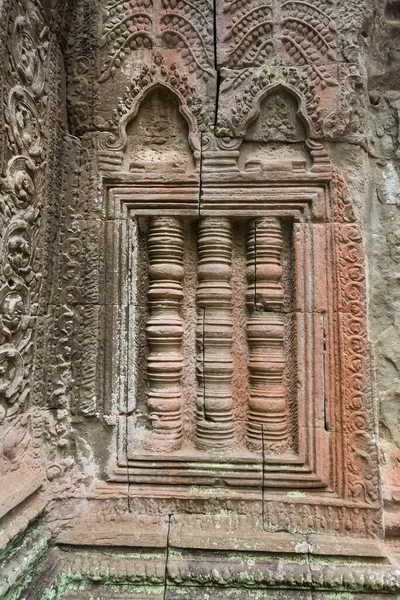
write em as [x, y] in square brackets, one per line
[148, 150]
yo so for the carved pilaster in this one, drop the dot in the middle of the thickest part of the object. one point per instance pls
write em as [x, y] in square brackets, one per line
[215, 429]
[267, 416]
[164, 333]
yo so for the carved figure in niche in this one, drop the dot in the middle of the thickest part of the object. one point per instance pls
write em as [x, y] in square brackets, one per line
[278, 120]
[11, 370]
[19, 180]
[12, 309]
[16, 442]
[159, 135]
[275, 139]
[19, 251]
[25, 52]
[26, 124]
[268, 414]
[164, 332]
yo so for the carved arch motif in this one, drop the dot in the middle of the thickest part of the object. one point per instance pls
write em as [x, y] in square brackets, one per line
[264, 93]
[118, 142]
[157, 75]
[249, 92]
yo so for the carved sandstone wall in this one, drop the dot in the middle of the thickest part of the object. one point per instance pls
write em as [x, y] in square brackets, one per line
[32, 133]
[198, 298]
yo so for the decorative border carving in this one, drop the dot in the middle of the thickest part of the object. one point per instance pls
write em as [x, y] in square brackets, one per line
[326, 206]
[21, 193]
[185, 27]
[221, 574]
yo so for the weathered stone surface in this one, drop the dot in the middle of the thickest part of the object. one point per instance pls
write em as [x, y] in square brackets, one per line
[199, 330]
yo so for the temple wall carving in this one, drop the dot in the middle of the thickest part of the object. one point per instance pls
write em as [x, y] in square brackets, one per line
[30, 158]
[198, 294]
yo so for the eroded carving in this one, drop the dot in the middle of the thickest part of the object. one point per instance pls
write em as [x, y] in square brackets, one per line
[151, 71]
[183, 26]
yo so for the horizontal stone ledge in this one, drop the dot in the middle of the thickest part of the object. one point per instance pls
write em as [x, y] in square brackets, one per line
[16, 487]
[220, 572]
[152, 532]
[19, 519]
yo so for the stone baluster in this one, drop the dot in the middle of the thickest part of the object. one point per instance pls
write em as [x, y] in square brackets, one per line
[215, 430]
[164, 332]
[267, 415]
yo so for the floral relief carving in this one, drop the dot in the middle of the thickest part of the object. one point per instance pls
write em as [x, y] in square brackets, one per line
[80, 62]
[80, 94]
[20, 203]
[25, 123]
[295, 44]
[14, 312]
[19, 182]
[362, 452]
[305, 30]
[146, 24]
[29, 43]
[72, 376]
[327, 113]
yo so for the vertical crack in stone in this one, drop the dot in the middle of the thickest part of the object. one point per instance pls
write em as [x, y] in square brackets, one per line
[265, 331]
[200, 201]
[255, 265]
[166, 558]
[324, 378]
[214, 425]
[263, 478]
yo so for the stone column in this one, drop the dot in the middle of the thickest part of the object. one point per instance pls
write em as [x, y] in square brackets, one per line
[164, 333]
[267, 415]
[215, 430]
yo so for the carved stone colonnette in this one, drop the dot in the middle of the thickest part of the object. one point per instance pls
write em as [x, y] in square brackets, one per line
[164, 333]
[214, 335]
[268, 414]
[267, 405]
